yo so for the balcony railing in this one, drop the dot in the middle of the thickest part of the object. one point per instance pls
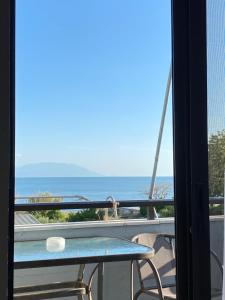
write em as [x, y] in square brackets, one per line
[84, 203]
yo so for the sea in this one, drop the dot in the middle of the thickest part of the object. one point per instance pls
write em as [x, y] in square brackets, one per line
[92, 188]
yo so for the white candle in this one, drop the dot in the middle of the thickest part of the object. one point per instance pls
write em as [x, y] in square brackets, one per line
[55, 244]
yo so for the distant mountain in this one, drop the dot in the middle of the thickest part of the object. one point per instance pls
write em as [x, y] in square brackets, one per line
[53, 170]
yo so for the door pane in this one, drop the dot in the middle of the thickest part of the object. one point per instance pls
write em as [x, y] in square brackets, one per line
[91, 84]
[216, 134]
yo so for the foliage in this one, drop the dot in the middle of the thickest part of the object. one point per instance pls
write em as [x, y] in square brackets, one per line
[89, 214]
[47, 216]
[216, 154]
[164, 211]
[45, 198]
[50, 216]
[216, 209]
[160, 193]
[57, 216]
[216, 162]
[143, 212]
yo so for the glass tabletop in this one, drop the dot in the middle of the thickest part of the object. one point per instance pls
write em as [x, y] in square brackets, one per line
[86, 250]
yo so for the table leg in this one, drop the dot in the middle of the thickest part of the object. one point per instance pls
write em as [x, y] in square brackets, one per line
[100, 280]
[132, 280]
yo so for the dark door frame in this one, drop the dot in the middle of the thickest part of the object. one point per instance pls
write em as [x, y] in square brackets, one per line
[7, 152]
[191, 149]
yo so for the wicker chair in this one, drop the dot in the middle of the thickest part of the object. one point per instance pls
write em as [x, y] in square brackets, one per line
[58, 289]
[157, 276]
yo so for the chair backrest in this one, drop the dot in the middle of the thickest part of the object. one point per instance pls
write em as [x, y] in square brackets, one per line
[164, 260]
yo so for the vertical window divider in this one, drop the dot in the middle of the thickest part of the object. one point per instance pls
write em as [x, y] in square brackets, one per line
[191, 149]
[7, 145]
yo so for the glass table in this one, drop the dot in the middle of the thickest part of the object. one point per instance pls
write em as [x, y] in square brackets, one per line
[34, 254]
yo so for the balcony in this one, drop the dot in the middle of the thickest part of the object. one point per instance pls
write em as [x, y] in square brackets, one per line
[116, 280]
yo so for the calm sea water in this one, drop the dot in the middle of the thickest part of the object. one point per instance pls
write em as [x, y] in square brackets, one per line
[94, 188]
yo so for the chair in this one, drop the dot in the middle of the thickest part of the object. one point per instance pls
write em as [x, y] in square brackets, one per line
[157, 276]
[58, 289]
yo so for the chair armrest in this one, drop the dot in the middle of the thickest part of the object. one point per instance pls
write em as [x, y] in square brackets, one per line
[156, 276]
[92, 276]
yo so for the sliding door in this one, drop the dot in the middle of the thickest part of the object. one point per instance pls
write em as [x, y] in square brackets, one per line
[190, 148]
[92, 80]
[216, 137]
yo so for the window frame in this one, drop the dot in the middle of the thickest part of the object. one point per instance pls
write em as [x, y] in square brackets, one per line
[7, 148]
[191, 149]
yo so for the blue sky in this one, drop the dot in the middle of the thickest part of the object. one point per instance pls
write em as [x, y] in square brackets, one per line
[90, 81]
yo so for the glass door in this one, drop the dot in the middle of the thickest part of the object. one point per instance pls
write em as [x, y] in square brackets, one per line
[93, 97]
[216, 138]
[188, 16]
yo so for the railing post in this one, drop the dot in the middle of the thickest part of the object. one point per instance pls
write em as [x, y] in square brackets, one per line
[151, 213]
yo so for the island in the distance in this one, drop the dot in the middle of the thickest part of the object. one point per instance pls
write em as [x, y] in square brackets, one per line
[51, 169]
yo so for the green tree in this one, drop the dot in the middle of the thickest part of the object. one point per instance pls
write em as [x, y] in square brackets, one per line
[47, 216]
[56, 216]
[216, 154]
[89, 214]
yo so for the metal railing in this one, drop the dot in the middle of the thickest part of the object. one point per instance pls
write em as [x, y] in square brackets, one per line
[84, 203]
